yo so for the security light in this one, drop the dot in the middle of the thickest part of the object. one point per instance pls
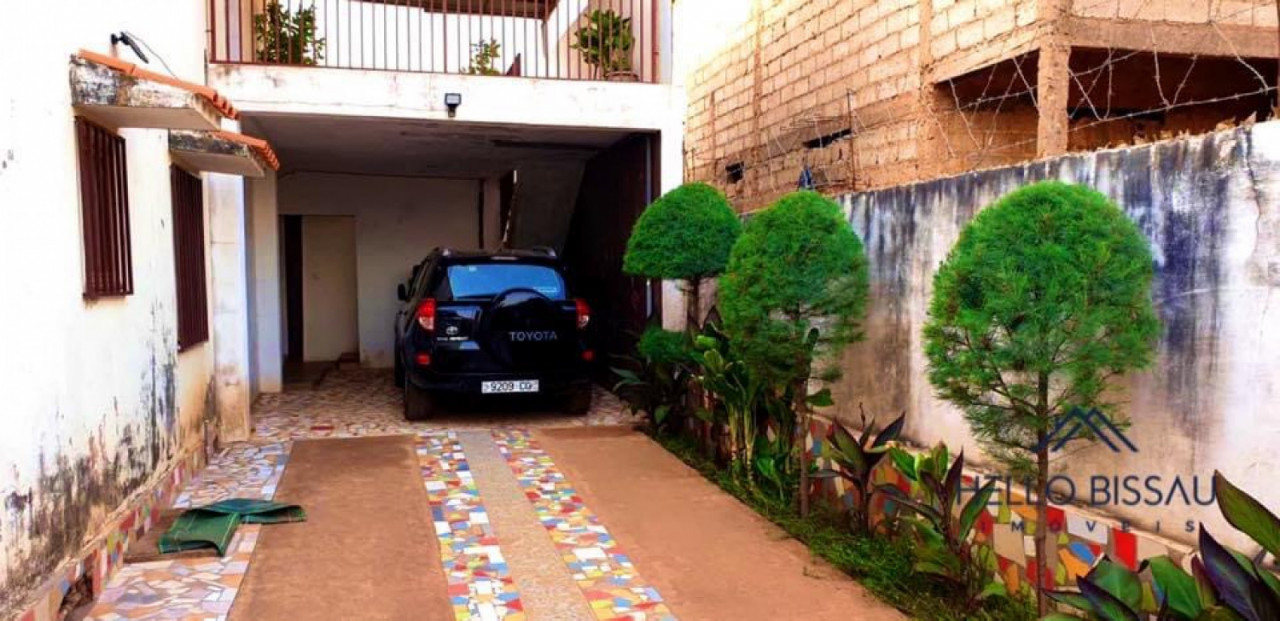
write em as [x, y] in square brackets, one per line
[452, 101]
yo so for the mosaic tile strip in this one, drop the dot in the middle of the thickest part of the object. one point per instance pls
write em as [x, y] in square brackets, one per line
[106, 554]
[1076, 539]
[180, 589]
[606, 575]
[480, 584]
[239, 471]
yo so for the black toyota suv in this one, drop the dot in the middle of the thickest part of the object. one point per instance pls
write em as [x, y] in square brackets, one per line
[491, 323]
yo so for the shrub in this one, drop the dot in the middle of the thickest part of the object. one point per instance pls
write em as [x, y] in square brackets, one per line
[1042, 301]
[684, 235]
[657, 380]
[794, 292]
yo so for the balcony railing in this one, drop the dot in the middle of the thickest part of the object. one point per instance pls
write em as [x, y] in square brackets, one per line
[616, 40]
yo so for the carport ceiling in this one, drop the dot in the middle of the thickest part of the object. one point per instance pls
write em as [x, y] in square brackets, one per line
[365, 145]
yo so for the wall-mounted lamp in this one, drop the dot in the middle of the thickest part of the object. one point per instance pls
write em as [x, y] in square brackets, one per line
[452, 101]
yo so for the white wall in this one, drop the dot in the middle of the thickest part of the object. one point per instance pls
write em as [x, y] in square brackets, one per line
[97, 401]
[398, 221]
[329, 300]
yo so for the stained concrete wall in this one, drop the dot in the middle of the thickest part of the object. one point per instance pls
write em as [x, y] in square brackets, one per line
[98, 403]
[1210, 207]
[398, 221]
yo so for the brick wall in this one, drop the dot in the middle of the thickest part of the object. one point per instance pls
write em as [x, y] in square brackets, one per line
[778, 91]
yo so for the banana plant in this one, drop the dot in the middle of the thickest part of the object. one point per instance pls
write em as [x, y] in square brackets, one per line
[945, 547]
[856, 457]
[738, 390]
[1223, 585]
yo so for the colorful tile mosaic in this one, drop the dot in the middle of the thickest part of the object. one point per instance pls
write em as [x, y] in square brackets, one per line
[606, 575]
[348, 403]
[366, 402]
[106, 554]
[1077, 538]
[480, 584]
[240, 471]
[198, 588]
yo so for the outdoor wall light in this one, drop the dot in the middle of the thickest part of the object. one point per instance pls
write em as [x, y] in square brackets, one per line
[452, 101]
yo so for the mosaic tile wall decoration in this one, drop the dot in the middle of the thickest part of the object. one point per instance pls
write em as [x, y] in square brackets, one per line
[1076, 539]
[106, 554]
[608, 579]
[480, 583]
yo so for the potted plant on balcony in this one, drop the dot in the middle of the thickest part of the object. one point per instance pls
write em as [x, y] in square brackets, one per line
[483, 56]
[605, 42]
[287, 37]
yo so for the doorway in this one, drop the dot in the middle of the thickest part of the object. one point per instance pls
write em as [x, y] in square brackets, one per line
[321, 305]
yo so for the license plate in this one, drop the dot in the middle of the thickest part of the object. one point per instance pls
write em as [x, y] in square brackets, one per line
[506, 387]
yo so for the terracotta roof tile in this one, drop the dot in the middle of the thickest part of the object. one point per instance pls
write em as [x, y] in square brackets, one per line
[212, 96]
[262, 147]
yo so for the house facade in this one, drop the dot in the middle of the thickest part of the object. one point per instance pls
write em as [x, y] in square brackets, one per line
[198, 197]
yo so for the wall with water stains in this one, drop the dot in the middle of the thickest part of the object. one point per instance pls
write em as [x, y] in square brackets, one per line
[1210, 207]
[96, 401]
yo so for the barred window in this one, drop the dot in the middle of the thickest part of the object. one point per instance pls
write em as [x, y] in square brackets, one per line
[188, 253]
[104, 207]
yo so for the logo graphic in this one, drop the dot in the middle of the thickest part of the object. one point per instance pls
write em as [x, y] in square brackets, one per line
[1076, 421]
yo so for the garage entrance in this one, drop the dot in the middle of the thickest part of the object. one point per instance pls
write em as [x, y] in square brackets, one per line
[360, 201]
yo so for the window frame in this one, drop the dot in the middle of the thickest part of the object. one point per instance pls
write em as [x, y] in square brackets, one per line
[107, 251]
[190, 276]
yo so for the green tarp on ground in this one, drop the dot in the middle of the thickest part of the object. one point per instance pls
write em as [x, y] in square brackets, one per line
[214, 525]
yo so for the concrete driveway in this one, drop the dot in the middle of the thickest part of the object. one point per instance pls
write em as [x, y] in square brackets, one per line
[476, 515]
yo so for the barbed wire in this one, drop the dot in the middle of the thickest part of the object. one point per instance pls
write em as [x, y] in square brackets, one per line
[1116, 96]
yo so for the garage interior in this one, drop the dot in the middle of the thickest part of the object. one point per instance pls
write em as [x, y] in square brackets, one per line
[360, 200]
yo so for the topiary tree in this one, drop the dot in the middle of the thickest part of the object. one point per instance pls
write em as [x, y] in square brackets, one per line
[684, 235]
[793, 297]
[1045, 298]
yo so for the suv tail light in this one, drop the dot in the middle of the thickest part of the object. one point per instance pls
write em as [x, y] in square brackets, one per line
[584, 313]
[427, 315]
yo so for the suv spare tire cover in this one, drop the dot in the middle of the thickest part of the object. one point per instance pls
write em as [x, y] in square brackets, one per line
[524, 329]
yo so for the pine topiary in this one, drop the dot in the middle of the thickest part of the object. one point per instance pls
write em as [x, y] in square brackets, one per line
[1045, 298]
[797, 266]
[793, 295]
[684, 235]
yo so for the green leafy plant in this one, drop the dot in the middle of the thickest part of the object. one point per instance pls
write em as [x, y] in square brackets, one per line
[658, 378]
[287, 37]
[793, 296]
[1223, 584]
[945, 547]
[1044, 300]
[605, 42]
[1109, 592]
[684, 235]
[738, 390]
[856, 458]
[483, 56]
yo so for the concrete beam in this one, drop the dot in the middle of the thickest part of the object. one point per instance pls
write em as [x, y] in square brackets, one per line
[1172, 38]
[485, 99]
[112, 98]
[208, 152]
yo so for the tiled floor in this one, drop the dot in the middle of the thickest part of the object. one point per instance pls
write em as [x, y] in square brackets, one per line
[366, 403]
[608, 579]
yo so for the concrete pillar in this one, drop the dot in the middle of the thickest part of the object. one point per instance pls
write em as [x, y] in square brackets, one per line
[230, 333]
[1051, 86]
[264, 255]
[1053, 81]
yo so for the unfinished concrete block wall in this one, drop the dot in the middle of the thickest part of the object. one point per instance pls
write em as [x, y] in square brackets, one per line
[870, 94]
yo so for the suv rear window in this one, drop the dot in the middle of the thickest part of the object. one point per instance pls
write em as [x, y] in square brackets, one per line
[485, 280]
